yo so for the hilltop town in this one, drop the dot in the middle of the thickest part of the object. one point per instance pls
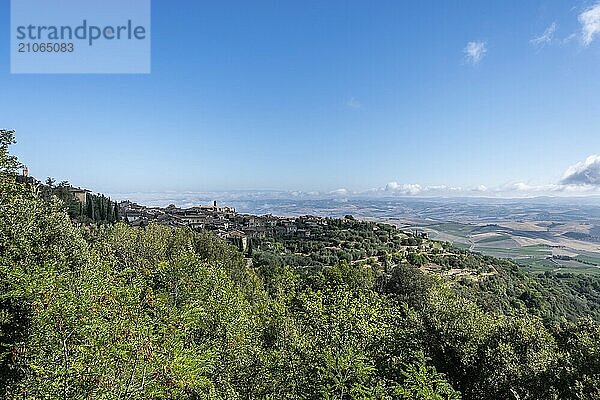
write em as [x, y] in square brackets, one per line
[308, 241]
[225, 222]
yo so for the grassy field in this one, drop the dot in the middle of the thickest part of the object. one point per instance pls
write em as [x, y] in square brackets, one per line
[453, 228]
[496, 238]
[534, 258]
[541, 266]
[506, 242]
[590, 258]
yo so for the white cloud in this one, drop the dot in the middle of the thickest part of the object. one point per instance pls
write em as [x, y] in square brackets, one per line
[520, 187]
[568, 39]
[340, 192]
[353, 103]
[410, 189]
[474, 51]
[590, 24]
[586, 172]
[546, 37]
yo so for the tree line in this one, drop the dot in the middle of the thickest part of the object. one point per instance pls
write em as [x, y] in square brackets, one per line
[97, 208]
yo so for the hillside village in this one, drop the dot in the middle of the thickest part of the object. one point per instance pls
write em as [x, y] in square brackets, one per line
[302, 241]
[300, 236]
[223, 221]
[307, 240]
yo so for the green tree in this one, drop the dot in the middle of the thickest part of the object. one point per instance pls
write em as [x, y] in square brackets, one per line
[423, 382]
[9, 164]
[90, 207]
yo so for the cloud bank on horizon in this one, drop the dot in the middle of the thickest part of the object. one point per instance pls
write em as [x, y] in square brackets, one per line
[580, 179]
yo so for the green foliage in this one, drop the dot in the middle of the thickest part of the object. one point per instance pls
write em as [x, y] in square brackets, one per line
[8, 163]
[423, 382]
[97, 209]
[497, 286]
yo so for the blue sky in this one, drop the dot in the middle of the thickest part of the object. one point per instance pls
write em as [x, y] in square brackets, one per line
[323, 95]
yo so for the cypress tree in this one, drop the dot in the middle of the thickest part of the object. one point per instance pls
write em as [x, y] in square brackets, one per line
[250, 246]
[97, 209]
[109, 210]
[102, 209]
[90, 207]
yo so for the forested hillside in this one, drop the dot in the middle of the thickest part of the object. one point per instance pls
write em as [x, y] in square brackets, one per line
[116, 312]
[498, 286]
